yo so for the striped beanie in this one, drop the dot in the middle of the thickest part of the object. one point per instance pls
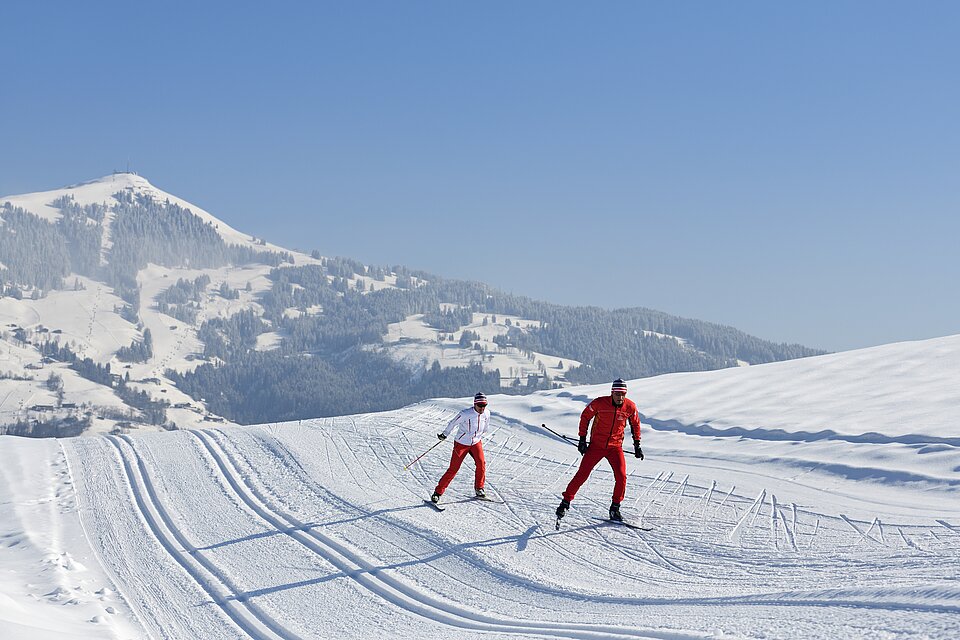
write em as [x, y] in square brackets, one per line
[619, 385]
[480, 399]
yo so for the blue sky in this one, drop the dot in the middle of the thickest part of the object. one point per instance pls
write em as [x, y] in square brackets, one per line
[791, 169]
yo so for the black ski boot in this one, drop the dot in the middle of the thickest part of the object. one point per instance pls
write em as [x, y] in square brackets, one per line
[481, 493]
[615, 512]
[435, 498]
[562, 511]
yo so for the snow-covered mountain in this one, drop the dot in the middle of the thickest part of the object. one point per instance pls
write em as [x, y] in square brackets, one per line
[117, 273]
[101, 192]
[89, 317]
[815, 498]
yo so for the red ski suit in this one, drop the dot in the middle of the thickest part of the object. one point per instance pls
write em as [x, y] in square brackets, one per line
[606, 441]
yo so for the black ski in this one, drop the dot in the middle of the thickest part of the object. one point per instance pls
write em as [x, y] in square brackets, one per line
[628, 525]
[434, 505]
[488, 499]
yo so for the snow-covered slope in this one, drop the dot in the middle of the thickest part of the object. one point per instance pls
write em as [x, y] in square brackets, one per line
[87, 317]
[417, 345]
[809, 499]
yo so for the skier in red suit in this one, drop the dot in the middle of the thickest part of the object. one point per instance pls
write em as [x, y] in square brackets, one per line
[610, 415]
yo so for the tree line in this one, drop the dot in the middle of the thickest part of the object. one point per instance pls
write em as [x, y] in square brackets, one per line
[272, 386]
[322, 354]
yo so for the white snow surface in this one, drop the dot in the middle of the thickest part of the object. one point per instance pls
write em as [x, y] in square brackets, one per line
[806, 499]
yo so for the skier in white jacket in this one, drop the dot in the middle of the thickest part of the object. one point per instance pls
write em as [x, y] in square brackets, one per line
[470, 425]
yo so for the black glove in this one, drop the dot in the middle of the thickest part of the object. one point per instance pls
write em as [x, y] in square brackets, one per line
[637, 451]
[582, 445]
[442, 436]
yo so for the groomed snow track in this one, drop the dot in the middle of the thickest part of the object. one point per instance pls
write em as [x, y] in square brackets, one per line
[314, 530]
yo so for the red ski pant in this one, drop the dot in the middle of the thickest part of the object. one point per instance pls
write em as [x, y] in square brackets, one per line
[614, 456]
[460, 452]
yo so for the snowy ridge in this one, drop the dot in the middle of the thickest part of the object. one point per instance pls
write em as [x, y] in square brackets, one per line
[903, 390]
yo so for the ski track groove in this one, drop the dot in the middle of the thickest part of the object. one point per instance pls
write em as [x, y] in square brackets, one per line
[261, 626]
[133, 606]
[605, 542]
[546, 534]
[397, 473]
[388, 543]
[395, 591]
[496, 571]
[450, 576]
[626, 552]
[471, 559]
[330, 442]
[545, 537]
[364, 486]
[769, 599]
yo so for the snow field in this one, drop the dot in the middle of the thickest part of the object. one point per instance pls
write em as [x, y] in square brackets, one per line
[414, 343]
[767, 519]
[52, 585]
[314, 529]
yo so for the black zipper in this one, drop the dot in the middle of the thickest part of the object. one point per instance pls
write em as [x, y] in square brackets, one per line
[613, 426]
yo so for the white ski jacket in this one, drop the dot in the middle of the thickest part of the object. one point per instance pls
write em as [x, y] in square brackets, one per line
[470, 426]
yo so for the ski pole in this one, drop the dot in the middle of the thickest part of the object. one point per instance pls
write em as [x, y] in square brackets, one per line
[568, 439]
[559, 435]
[421, 455]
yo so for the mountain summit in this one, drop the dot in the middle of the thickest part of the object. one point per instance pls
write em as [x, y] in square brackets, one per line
[101, 192]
